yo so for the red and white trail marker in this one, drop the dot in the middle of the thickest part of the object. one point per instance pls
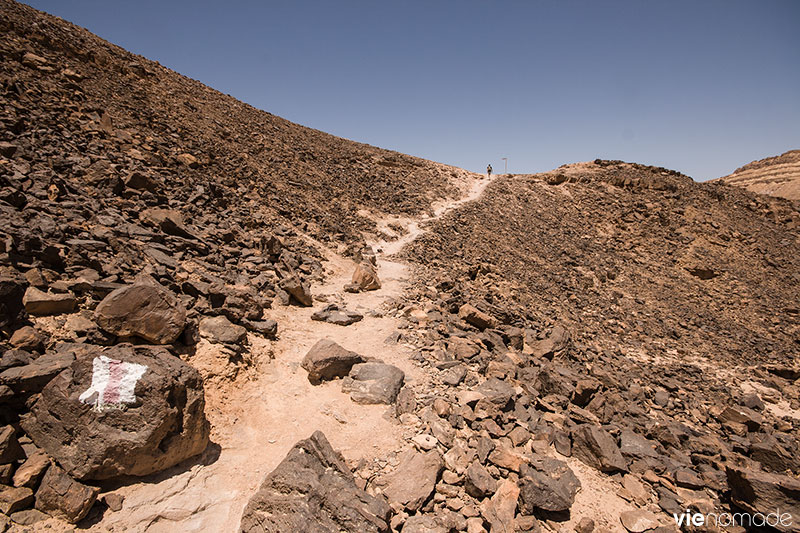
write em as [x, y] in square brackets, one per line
[113, 383]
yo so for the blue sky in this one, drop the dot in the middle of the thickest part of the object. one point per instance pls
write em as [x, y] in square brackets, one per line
[698, 86]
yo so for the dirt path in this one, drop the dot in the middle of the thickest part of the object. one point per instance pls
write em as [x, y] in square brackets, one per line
[256, 421]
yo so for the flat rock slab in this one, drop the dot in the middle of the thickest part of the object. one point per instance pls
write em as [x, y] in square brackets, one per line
[313, 490]
[327, 360]
[335, 315]
[639, 521]
[120, 411]
[41, 303]
[143, 309]
[220, 330]
[33, 377]
[14, 498]
[373, 382]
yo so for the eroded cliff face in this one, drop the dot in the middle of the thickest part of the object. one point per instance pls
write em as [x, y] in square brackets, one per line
[774, 176]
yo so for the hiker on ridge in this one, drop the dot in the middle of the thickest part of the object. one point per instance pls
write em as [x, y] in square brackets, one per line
[489, 171]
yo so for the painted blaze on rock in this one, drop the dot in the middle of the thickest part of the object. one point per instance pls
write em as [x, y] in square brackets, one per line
[113, 383]
[99, 427]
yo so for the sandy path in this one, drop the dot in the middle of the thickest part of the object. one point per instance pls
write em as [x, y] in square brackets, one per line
[256, 421]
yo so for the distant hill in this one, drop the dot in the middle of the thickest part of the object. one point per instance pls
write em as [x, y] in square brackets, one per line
[775, 176]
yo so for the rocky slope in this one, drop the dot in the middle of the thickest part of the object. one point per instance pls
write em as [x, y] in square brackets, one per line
[637, 321]
[775, 176]
[600, 346]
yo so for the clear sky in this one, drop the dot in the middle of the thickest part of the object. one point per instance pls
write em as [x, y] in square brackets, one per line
[700, 86]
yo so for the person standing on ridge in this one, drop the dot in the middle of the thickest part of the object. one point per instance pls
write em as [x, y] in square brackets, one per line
[489, 171]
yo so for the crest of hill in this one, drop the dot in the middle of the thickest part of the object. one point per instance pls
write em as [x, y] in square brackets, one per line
[629, 256]
[775, 176]
[71, 99]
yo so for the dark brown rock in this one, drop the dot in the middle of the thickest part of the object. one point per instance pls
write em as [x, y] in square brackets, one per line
[34, 376]
[365, 276]
[333, 314]
[547, 484]
[107, 436]
[145, 310]
[169, 221]
[327, 360]
[313, 490]
[10, 450]
[478, 482]
[61, 496]
[31, 471]
[43, 303]
[597, 448]
[27, 338]
[298, 289]
[762, 492]
[14, 498]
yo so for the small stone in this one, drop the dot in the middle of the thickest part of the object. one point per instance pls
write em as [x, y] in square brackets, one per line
[425, 442]
[27, 338]
[475, 317]
[585, 525]
[32, 470]
[114, 501]
[14, 499]
[638, 521]
[61, 496]
[188, 160]
[335, 315]
[478, 482]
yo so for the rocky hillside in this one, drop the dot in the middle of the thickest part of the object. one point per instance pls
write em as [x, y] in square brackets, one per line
[195, 336]
[81, 113]
[775, 176]
[636, 257]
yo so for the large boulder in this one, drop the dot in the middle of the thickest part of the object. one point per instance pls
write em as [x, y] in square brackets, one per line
[313, 490]
[122, 410]
[327, 360]
[143, 309]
